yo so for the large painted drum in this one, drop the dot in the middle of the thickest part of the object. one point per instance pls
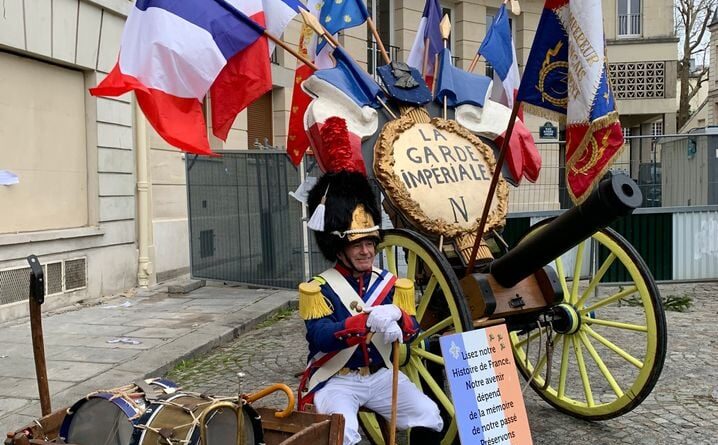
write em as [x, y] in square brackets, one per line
[155, 412]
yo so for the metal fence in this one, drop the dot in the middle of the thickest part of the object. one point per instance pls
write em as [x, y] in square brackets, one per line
[671, 170]
[244, 227]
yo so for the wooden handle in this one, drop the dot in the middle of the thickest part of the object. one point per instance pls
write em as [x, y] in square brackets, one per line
[394, 392]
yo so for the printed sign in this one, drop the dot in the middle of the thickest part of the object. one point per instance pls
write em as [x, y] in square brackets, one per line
[438, 174]
[485, 387]
[548, 131]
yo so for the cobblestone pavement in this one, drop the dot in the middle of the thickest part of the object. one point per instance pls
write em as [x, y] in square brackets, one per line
[683, 407]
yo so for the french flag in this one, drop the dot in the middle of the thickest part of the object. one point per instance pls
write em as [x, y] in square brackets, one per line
[173, 51]
[428, 42]
[498, 49]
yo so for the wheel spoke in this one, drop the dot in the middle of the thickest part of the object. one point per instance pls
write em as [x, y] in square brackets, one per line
[583, 372]
[426, 298]
[562, 277]
[564, 368]
[613, 347]
[411, 265]
[608, 300]
[614, 324]
[413, 376]
[433, 386]
[450, 433]
[423, 353]
[578, 265]
[438, 327]
[596, 279]
[601, 365]
[391, 259]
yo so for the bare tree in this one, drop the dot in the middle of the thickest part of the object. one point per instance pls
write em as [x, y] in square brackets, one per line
[692, 20]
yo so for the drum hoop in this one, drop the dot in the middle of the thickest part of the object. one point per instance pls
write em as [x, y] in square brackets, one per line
[121, 403]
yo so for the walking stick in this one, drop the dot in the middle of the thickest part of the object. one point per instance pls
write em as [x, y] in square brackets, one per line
[37, 297]
[394, 392]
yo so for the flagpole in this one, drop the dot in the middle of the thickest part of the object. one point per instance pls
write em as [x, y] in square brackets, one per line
[492, 187]
[445, 28]
[473, 63]
[290, 50]
[425, 63]
[379, 43]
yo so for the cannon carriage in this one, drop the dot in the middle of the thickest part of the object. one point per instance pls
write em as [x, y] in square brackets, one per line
[592, 349]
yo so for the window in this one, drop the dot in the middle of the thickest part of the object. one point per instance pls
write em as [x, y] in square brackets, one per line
[380, 12]
[259, 122]
[43, 131]
[657, 128]
[629, 18]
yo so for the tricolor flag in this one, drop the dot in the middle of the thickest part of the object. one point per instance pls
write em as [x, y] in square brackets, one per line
[172, 52]
[456, 86]
[566, 78]
[498, 49]
[428, 42]
[460, 88]
[251, 77]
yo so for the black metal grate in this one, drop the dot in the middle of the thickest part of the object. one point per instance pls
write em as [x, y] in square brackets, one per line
[53, 278]
[75, 274]
[206, 243]
[14, 285]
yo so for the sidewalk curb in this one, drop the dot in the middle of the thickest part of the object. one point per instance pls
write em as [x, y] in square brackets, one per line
[228, 334]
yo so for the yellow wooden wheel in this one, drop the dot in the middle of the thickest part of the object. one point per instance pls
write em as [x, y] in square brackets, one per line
[440, 308]
[609, 343]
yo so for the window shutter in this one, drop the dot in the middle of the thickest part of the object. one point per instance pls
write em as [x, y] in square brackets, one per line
[259, 121]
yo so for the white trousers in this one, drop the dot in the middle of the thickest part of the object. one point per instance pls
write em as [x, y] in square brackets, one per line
[344, 394]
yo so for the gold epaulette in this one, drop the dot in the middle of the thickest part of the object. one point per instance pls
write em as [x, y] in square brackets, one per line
[404, 295]
[312, 303]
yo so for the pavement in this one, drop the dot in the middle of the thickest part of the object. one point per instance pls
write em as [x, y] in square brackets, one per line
[203, 339]
[136, 335]
[682, 408]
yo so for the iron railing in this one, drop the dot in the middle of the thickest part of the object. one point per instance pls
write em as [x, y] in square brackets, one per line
[671, 170]
[629, 24]
[374, 57]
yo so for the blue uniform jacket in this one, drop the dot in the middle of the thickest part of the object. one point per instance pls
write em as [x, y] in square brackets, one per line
[342, 329]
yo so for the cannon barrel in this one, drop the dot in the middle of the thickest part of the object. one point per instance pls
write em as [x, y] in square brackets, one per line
[616, 195]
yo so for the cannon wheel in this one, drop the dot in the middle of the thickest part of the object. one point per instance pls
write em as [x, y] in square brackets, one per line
[440, 309]
[610, 352]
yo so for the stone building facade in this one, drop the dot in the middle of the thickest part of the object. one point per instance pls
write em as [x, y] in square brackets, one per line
[103, 203]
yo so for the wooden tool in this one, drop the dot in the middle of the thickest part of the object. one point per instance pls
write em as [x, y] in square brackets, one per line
[37, 297]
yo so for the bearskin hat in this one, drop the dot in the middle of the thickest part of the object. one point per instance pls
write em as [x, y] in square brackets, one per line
[350, 208]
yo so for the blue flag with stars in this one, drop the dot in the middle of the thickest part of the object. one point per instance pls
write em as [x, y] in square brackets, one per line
[336, 15]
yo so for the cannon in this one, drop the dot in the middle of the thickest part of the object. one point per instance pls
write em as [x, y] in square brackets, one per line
[521, 280]
[584, 314]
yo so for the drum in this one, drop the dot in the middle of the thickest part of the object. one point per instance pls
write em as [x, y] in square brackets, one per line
[181, 418]
[155, 412]
[107, 417]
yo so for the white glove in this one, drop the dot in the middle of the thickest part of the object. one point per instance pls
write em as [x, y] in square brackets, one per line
[380, 317]
[393, 333]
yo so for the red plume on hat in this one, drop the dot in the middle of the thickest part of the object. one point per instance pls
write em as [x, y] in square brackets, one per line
[337, 150]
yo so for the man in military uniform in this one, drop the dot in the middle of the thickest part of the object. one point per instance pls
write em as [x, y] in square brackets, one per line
[348, 367]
